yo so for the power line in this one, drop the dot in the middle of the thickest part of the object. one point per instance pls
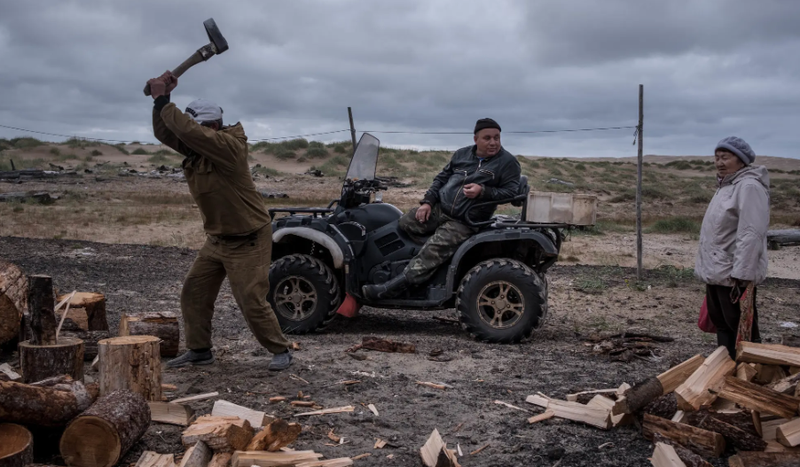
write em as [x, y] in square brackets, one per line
[606, 128]
[63, 136]
[299, 136]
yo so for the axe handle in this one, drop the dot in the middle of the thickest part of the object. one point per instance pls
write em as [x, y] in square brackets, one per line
[180, 69]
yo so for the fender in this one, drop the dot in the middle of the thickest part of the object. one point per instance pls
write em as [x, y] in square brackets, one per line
[315, 236]
[495, 236]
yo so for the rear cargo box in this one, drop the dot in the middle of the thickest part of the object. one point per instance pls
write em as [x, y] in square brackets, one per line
[561, 208]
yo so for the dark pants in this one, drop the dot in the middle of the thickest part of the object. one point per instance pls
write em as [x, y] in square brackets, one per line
[448, 235]
[725, 315]
[246, 263]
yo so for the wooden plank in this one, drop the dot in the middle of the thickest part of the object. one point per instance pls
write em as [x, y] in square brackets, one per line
[703, 442]
[788, 434]
[771, 354]
[195, 398]
[171, 413]
[664, 455]
[272, 459]
[594, 416]
[759, 398]
[198, 455]
[223, 408]
[347, 408]
[694, 392]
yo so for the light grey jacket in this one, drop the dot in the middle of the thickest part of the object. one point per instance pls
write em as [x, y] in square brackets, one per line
[733, 238]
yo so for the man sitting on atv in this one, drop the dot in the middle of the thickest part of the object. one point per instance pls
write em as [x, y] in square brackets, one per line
[475, 174]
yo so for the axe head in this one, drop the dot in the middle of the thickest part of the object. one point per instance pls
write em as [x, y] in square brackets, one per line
[214, 36]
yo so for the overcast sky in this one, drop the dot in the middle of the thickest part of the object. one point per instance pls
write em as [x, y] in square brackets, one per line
[710, 69]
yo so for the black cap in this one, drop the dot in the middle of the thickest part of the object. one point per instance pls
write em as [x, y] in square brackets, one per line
[485, 123]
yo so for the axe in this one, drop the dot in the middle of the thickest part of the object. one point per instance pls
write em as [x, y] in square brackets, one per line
[216, 45]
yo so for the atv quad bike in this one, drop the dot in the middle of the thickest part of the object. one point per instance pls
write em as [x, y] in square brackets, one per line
[496, 280]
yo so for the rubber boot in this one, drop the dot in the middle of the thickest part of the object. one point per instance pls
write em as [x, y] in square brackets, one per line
[728, 339]
[388, 289]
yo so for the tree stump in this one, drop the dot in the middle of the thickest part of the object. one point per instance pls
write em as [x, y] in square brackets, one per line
[13, 300]
[131, 362]
[101, 435]
[16, 445]
[162, 325]
[39, 362]
[52, 402]
[93, 304]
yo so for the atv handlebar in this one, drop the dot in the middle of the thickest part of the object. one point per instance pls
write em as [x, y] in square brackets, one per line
[469, 221]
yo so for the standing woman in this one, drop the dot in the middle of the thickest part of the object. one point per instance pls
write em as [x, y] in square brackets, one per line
[733, 238]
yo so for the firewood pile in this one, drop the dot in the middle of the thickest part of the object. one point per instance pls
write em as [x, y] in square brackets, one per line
[704, 408]
[626, 346]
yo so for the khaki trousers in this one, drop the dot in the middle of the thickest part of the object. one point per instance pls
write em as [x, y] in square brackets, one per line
[246, 263]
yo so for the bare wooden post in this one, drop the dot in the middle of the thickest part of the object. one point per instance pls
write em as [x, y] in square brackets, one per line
[352, 128]
[639, 163]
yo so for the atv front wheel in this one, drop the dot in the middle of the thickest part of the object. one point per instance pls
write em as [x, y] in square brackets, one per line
[502, 301]
[304, 293]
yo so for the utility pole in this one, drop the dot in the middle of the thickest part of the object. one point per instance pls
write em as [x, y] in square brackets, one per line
[639, 164]
[352, 128]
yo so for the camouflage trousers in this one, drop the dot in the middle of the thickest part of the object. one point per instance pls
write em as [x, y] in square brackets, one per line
[246, 264]
[448, 235]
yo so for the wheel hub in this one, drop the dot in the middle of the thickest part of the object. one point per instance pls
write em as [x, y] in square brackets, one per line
[501, 304]
[295, 298]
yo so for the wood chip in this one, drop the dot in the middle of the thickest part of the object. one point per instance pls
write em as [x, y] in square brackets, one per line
[303, 403]
[198, 397]
[361, 456]
[379, 444]
[432, 385]
[506, 404]
[348, 408]
[333, 437]
[477, 451]
[546, 415]
[374, 410]
[276, 399]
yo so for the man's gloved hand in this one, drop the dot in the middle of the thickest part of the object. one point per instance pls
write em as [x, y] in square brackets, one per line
[424, 213]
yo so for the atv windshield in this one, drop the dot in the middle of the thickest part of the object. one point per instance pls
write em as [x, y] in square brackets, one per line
[365, 159]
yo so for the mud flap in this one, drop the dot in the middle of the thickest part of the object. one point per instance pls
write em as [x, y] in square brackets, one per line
[349, 307]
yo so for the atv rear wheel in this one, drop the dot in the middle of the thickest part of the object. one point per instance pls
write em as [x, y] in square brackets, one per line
[304, 293]
[501, 300]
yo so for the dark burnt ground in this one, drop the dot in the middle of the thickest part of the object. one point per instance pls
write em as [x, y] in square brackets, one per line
[584, 300]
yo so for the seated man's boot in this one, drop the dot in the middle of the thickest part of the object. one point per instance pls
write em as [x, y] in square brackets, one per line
[388, 289]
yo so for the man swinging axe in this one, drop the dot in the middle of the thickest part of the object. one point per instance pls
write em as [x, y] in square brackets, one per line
[237, 226]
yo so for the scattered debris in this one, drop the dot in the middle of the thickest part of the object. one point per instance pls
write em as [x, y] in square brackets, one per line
[435, 453]
[379, 444]
[348, 408]
[479, 450]
[373, 409]
[383, 345]
[625, 347]
[555, 181]
[270, 194]
[434, 385]
[198, 397]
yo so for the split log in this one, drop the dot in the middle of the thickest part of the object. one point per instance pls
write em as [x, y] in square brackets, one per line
[645, 392]
[53, 402]
[198, 455]
[39, 362]
[602, 402]
[275, 436]
[770, 354]
[687, 456]
[383, 345]
[664, 455]
[746, 372]
[16, 445]
[788, 434]
[93, 305]
[435, 453]
[171, 413]
[703, 442]
[599, 417]
[764, 459]
[89, 338]
[734, 436]
[76, 319]
[131, 362]
[694, 392]
[261, 458]
[769, 429]
[786, 385]
[220, 459]
[41, 307]
[101, 435]
[257, 419]
[225, 436]
[759, 398]
[162, 325]
[13, 300]
[766, 374]
[154, 459]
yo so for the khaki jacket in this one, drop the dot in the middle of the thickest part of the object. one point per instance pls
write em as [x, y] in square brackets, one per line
[733, 237]
[216, 170]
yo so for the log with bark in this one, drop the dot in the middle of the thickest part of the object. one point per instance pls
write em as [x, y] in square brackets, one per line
[764, 459]
[93, 304]
[780, 238]
[53, 402]
[38, 362]
[637, 397]
[13, 300]
[759, 398]
[162, 325]
[665, 406]
[16, 445]
[131, 362]
[703, 442]
[101, 435]
[739, 438]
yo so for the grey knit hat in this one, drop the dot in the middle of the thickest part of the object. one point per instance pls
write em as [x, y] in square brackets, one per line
[739, 147]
